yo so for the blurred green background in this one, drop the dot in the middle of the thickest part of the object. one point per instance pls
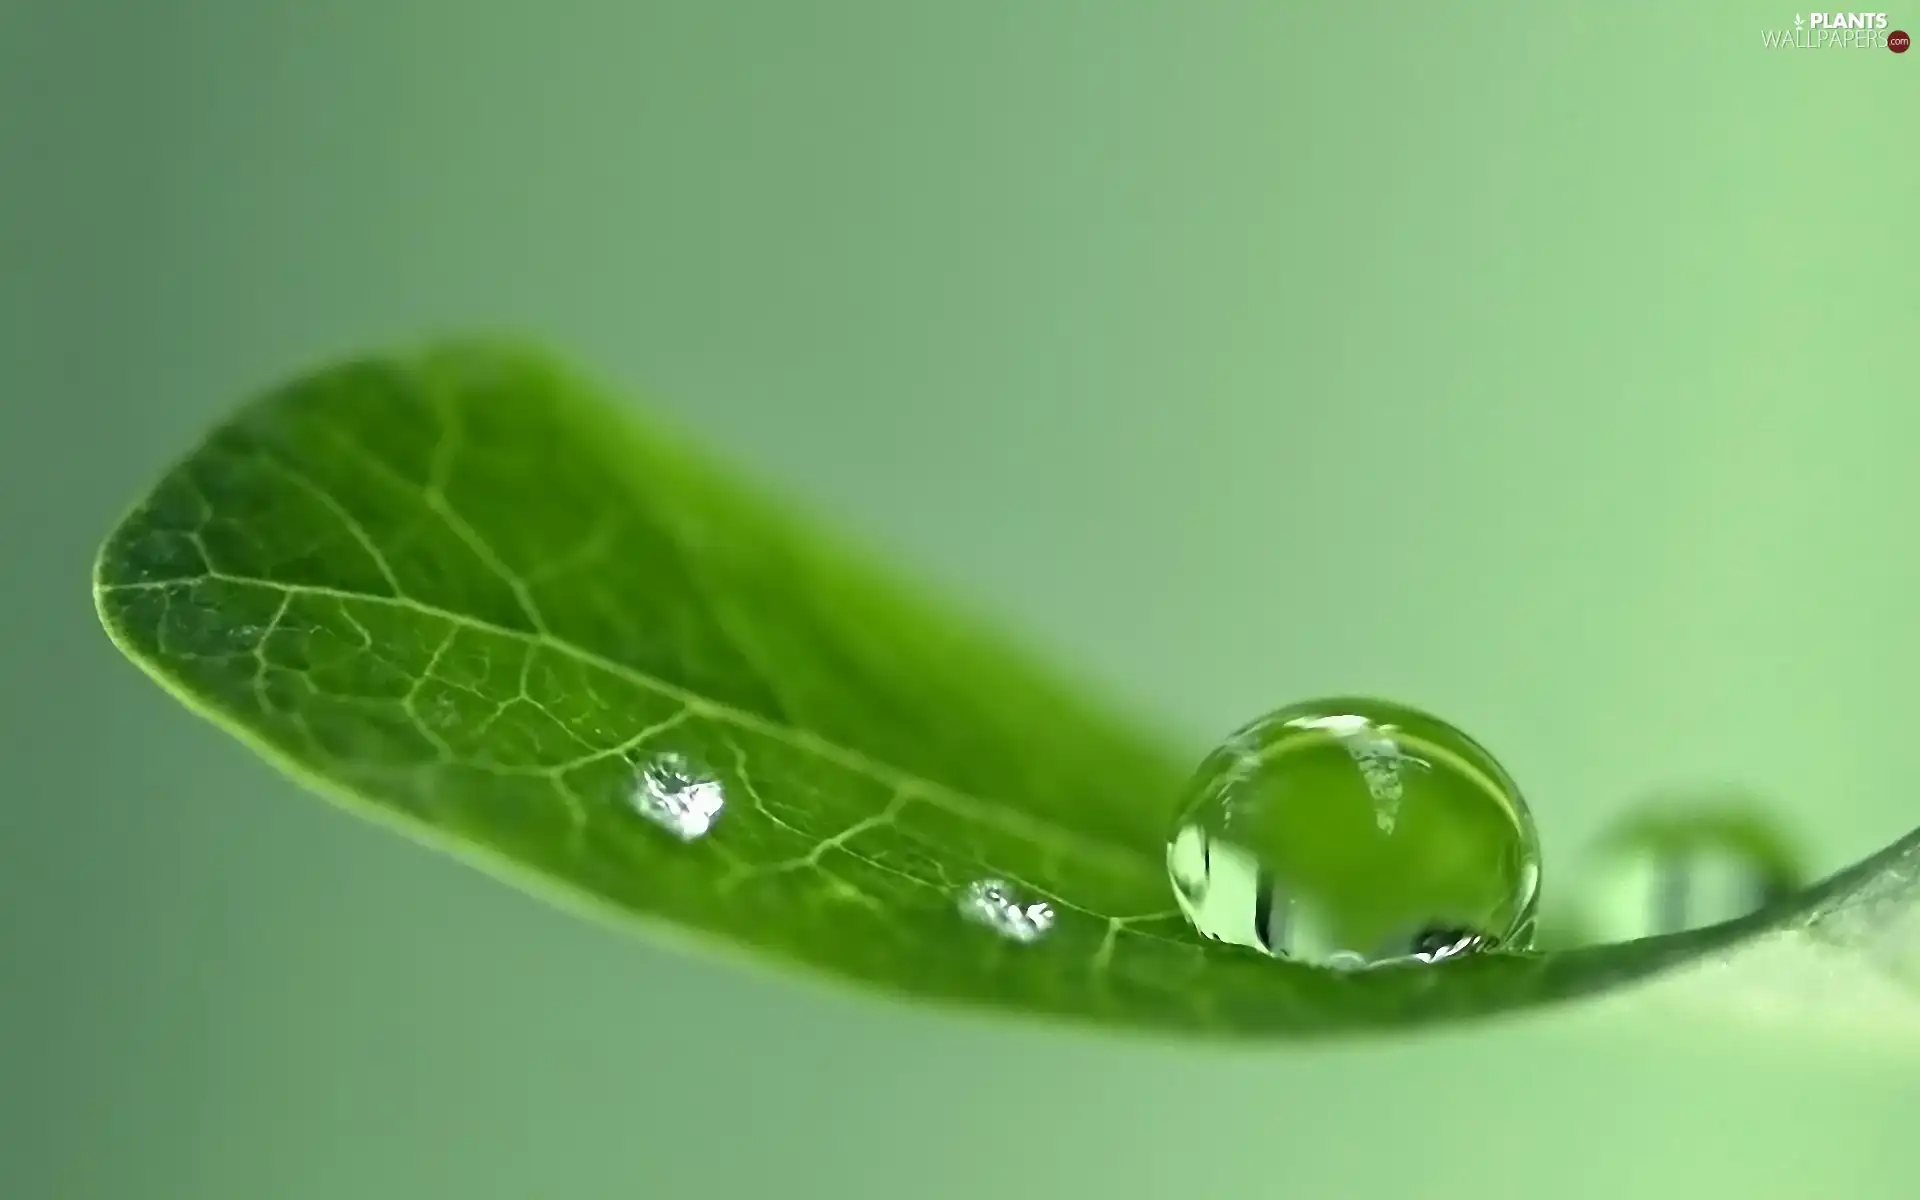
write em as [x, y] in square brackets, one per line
[1551, 370]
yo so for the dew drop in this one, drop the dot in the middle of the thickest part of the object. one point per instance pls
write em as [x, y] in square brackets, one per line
[1347, 833]
[675, 795]
[994, 904]
[1671, 869]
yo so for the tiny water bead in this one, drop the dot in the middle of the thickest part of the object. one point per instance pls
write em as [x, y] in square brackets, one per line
[1671, 869]
[677, 796]
[994, 904]
[1347, 833]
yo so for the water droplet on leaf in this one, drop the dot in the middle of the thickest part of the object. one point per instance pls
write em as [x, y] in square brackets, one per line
[1673, 868]
[675, 795]
[1347, 833]
[994, 904]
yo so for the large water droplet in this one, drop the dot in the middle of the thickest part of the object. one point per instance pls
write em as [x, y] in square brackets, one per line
[1347, 833]
[1670, 869]
[677, 796]
[995, 904]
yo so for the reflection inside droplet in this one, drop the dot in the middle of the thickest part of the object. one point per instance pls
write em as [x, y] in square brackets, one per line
[675, 795]
[994, 904]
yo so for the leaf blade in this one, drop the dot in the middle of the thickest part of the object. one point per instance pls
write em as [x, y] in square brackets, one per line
[455, 592]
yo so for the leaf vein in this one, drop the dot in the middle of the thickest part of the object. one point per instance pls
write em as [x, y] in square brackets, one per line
[1113, 857]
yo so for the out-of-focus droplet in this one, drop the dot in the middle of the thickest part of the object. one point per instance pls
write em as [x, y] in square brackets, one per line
[1673, 867]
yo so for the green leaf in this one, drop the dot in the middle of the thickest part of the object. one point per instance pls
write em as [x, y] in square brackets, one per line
[455, 592]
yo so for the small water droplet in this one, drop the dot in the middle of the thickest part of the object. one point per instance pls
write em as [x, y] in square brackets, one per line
[1674, 868]
[677, 796]
[1347, 833]
[994, 904]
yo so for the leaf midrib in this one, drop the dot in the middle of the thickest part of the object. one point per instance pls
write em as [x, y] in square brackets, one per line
[1115, 855]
